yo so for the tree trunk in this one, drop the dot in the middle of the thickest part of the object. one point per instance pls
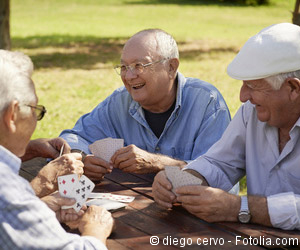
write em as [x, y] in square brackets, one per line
[296, 14]
[4, 25]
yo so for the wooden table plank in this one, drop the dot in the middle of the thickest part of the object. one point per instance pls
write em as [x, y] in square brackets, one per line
[142, 218]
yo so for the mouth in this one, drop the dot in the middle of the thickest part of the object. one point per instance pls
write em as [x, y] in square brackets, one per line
[138, 86]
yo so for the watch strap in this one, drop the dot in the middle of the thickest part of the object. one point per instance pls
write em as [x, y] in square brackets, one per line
[244, 203]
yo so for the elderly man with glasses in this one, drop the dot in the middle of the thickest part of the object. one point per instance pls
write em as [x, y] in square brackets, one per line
[26, 222]
[164, 118]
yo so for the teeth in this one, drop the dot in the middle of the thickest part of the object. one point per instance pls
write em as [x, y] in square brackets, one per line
[138, 85]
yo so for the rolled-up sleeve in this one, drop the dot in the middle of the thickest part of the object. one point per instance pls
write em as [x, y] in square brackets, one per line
[284, 210]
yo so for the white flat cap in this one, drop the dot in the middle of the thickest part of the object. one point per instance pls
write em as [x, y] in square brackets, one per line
[274, 50]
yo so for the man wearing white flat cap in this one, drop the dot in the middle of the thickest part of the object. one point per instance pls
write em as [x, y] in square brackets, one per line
[262, 141]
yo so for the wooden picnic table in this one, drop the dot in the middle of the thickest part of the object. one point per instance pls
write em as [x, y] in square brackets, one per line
[143, 222]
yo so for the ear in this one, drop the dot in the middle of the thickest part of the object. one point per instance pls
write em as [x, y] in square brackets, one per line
[173, 66]
[10, 116]
[294, 86]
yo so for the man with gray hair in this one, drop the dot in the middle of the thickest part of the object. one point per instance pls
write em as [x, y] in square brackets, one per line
[164, 118]
[25, 221]
[261, 142]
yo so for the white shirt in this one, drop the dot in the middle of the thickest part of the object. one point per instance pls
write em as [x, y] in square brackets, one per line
[249, 146]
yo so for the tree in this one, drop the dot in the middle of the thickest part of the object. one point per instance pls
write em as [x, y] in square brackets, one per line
[4, 25]
[296, 14]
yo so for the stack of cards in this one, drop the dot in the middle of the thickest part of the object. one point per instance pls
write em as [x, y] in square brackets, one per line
[106, 148]
[180, 178]
[71, 187]
[109, 201]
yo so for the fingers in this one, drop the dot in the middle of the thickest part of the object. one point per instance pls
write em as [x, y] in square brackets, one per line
[63, 201]
[191, 190]
[121, 156]
[161, 190]
[95, 168]
[67, 215]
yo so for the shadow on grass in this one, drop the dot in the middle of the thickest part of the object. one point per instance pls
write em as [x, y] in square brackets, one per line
[87, 52]
[192, 2]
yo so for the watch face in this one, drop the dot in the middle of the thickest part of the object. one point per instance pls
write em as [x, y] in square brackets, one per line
[244, 217]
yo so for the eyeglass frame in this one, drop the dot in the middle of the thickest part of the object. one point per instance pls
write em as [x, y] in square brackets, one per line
[133, 65]
[40, 111]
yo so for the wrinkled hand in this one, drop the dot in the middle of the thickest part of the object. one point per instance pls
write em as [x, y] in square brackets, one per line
[97, 217]
[161, 189]
[95, 168]
[96, 221]
[209, 204]
[54, 201]
[46, 180]
[134, 160]
[46, 148]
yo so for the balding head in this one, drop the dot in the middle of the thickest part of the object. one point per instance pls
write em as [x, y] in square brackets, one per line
[162, 42]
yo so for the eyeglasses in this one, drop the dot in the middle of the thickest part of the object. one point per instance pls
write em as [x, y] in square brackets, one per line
[39, 110]
[137, 68]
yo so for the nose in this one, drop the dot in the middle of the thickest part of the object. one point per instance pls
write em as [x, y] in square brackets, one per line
[130, 74]
[245, 93]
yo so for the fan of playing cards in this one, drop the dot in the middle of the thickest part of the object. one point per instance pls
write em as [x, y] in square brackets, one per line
[106, 148]
[180, 178]
[81, 189]
[71, 187]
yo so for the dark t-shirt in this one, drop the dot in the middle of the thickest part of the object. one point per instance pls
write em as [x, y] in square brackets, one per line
[157, 121]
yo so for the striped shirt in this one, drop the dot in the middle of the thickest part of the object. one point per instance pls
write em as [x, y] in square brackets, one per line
[26, 221]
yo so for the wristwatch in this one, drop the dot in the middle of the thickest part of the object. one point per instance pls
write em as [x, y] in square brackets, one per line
[244, 214]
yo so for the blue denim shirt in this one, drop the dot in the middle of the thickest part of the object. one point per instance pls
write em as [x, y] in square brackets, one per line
[197, 122]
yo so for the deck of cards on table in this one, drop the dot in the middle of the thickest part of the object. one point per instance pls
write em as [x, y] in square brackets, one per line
[180, 178]
[71, 187]
[109, 201]
[106, 148]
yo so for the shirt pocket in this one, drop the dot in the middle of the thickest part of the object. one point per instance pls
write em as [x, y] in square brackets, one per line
[184, 152]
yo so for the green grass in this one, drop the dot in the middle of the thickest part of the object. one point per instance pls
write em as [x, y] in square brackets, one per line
[75, 43]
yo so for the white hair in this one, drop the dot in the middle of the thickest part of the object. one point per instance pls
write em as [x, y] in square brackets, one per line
[15, 79]
[276, 81]
[166, 44]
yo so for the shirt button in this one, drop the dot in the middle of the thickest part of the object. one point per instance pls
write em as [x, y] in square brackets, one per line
[157, 149]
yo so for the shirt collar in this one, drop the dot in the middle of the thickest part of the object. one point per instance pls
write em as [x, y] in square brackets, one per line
[134, 106]
[10, 159]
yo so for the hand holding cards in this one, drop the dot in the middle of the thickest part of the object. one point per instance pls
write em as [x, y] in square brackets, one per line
[106, 148]
[71, 187]
[180, 178]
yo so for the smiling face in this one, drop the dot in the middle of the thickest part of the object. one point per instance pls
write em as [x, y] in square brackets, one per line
[274, 107]
[153, 89]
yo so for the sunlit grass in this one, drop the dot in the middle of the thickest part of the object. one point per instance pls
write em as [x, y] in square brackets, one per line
[75, 43]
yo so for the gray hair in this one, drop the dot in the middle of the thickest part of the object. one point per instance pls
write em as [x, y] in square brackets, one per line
[276, 81]
[15, 79]
[166, 44]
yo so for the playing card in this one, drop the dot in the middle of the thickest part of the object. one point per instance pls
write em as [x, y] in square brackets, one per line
[106, 148]
[81, 192]
[112, 197]
[69, 186]
[180, 178]
[107, 204]
[66, 184]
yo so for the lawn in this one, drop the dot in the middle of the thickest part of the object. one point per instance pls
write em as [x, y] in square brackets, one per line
[75, 43]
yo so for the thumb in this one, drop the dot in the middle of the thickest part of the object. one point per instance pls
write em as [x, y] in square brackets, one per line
[63, 201]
